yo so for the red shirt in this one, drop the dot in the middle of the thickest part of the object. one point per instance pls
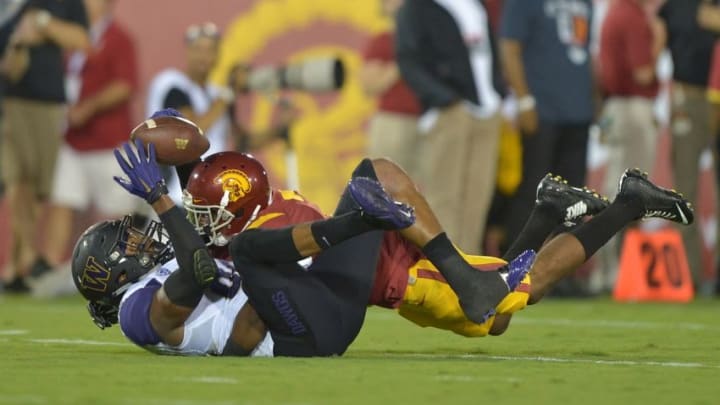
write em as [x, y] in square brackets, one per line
[398, 98]
[626, 42]
[112, 59]
[714, 79]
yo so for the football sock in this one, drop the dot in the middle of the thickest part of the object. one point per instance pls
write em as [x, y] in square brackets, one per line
[479, 291]
[603, 226]
[334, 230]
[538, 227]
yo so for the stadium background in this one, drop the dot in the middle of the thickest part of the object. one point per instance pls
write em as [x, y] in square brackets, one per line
[329, 137]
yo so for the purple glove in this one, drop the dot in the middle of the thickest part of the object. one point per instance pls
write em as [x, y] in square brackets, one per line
[143, 174]
[227, 281]
[167, 112]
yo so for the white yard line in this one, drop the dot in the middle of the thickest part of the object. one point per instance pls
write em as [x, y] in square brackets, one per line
[542, 359]
[13, 332]
[209, 380]
[76, 342]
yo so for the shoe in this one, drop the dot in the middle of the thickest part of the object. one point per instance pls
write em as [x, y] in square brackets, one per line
[657, 202]
[513, 273]
[571, 202]
[377, 207]
[40, 267]
[16, 286]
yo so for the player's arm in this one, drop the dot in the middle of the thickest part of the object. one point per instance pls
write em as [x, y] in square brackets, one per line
[197, 271]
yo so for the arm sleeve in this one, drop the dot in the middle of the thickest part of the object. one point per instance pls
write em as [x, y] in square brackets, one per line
[176, 99]
[135, 316]
[185, 240]
[516, 20]
[408, 48]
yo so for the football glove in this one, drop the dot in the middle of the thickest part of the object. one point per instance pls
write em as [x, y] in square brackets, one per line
[143, 174]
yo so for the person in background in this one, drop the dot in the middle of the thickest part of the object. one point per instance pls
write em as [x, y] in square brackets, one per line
[631, 41]
[692, 27]
[545, 51]
[210, 106]
[393, 129]
[34, 117]
[446, 54]
[99, 84]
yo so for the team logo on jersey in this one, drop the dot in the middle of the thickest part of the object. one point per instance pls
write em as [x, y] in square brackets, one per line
[236, 183]
[96, 276]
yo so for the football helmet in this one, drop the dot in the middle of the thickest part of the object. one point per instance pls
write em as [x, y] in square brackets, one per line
[109, 257]
[224, 194]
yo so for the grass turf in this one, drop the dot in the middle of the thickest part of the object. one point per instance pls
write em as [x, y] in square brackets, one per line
[561, 351]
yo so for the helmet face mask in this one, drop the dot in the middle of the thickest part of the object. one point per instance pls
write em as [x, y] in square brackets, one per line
[109, 257]
[224, 194]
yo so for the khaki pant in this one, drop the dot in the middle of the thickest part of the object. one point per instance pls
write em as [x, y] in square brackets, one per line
[31, 136]
[457, 164]
[691, 134]
[631, 139]
[395, 136]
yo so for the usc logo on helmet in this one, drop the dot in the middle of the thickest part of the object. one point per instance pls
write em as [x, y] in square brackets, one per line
[236, 183]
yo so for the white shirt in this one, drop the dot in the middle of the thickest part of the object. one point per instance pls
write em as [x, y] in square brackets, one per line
[208, 327]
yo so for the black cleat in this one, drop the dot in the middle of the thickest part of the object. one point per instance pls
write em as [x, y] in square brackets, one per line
[656, 201]
[571, 202]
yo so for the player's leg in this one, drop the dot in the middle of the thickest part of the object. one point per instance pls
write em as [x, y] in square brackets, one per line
[479, 292]
[318, 311]
[637, 198]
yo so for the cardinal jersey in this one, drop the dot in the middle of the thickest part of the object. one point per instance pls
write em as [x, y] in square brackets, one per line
[206, 330]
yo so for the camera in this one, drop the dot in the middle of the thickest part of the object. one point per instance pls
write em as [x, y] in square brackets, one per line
[314, 75]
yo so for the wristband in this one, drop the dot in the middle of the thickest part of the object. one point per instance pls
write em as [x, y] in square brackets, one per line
[526, 103]
[157, 192]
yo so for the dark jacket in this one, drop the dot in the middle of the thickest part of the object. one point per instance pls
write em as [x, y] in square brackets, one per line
[433, 57]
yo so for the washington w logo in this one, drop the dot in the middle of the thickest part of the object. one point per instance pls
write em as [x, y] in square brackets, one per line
[96, 276]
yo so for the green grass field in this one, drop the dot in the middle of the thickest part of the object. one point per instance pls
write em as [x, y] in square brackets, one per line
[558, 352]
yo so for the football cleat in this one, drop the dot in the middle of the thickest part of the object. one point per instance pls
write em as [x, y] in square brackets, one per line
[377, 207]
[513, 273]
[571, 202]
[657, 202]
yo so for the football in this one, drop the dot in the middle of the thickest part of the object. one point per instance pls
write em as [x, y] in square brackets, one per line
[177, 140]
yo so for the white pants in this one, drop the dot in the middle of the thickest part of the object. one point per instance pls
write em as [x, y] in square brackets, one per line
[83, 179]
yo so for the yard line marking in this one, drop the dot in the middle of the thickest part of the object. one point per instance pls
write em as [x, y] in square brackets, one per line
[210, 380]
[76, 342]
[9, 332]
[544, 359]
[476, 378]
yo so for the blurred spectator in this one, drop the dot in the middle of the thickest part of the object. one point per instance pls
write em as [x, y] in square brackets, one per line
[393, 129]
[630, 42]
[209, 106]
[546, 60]
[99, 86]
[691, 41]
[34, 117]
[445, 51]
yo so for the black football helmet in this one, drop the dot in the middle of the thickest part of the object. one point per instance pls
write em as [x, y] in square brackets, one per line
[109, 257]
